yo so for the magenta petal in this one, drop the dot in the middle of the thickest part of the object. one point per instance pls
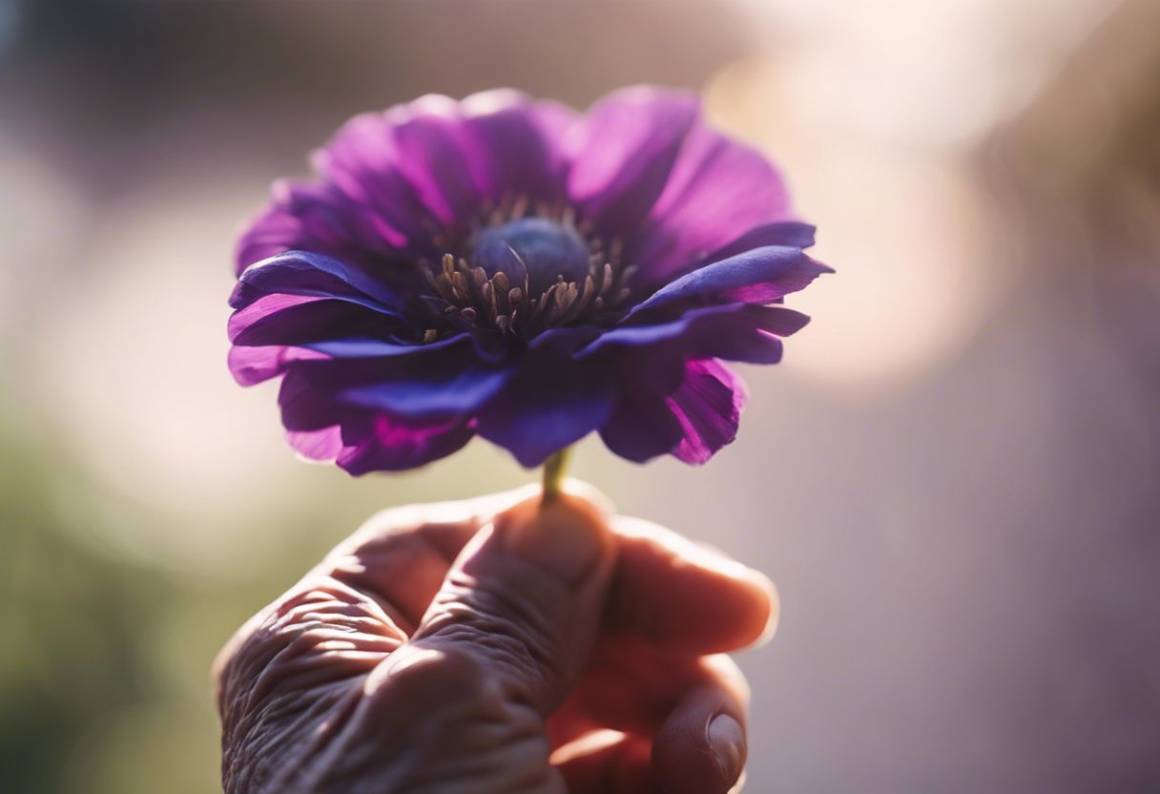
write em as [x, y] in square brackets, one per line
[431, 151]
[304, 320]
[319, 218]
[708, 407]
[362, 162]
[382, 443]
[622, 153]
[640, 426]
[695, 420]
[305, 409]
[718, 190]
[324, 444]
[514, 144]
[253, 365]
[264, 307]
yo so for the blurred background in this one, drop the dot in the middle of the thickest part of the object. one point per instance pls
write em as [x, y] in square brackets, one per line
[953, 477]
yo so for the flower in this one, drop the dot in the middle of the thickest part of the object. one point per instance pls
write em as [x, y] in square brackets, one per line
[508, 268]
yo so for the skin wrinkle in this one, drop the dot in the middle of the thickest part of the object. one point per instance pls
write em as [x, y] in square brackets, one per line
[491, 619]
[287, 650]
[324, 691]
[471, 716]
[294, 670]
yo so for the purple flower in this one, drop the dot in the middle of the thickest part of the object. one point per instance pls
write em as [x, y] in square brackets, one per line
[507, 268]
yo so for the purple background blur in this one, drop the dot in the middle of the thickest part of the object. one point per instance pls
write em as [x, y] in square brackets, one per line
[953, 478]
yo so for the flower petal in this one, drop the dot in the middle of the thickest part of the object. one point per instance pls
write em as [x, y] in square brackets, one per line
[320, 218]
[761, 275]
[324, 444]
[301, 320]
[362, 162]
[708, 406]
[456, 394]
[383, 443]
[514, 144]
[549, 403]
[692, 422]
[640, 426]
[253, 365]
[731, 331]
[442, 379]
[718, 189]
[362, 441]
[784, 233]
[306, 409]
[427, 139]
[622, 153]
[309, 274]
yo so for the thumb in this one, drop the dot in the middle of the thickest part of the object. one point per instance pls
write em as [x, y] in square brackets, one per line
[525, 596]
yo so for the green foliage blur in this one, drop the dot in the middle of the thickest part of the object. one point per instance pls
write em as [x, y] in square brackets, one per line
[109, 635]
[102, 686]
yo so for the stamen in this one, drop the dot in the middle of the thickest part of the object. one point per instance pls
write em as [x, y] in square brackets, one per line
[444, 287]
[474, 296]
[488, 295]
[501, 282]
[606, 279]
[460, 285]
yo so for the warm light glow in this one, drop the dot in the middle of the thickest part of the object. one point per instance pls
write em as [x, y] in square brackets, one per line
[132, 360]
[906, 230]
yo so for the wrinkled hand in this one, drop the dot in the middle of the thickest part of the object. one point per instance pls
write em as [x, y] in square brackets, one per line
[492, 647]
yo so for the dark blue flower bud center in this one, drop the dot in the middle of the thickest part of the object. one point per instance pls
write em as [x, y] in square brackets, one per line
[539, 248]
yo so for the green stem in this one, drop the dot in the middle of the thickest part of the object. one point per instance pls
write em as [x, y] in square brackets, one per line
[555, 468]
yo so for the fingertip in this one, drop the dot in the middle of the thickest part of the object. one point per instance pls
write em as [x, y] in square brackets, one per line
[589, 493]
[568, 536]
[702, 747]
[689, 595]
[766, 610]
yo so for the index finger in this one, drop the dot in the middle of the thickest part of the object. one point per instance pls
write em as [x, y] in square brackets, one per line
[680, 595]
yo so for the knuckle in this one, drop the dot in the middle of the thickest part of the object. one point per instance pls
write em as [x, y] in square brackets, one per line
[515, 637]
[447, 673]
[276, 681]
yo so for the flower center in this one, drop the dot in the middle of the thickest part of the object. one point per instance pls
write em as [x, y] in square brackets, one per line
[537, 250]
[523, 271]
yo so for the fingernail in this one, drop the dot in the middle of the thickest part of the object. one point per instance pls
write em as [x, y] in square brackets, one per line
[567, 536]
[727, 742]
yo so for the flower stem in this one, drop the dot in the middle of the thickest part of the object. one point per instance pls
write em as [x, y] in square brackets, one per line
[555, 468]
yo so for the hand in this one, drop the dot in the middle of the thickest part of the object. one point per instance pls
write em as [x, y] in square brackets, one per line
[494, 647]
